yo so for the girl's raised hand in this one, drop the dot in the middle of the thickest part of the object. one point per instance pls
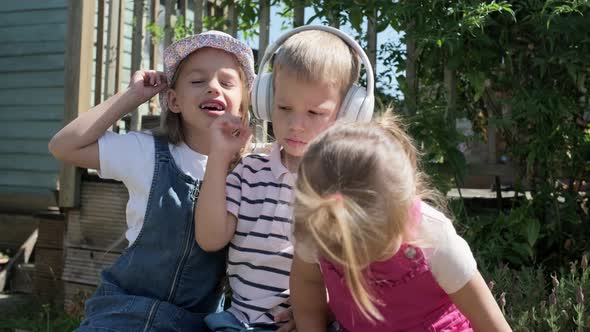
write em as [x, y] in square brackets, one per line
[229, 134]
[145, 84]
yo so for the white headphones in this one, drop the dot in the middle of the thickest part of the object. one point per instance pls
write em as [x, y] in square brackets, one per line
[358, 103]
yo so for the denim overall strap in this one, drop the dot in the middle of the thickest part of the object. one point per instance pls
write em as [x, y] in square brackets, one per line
[164, 280]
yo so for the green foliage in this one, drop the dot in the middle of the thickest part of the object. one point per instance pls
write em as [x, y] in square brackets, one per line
[45, 318]
[521, 65]
[533, 300]
[156, 32]
[512, 237]
[181, 29]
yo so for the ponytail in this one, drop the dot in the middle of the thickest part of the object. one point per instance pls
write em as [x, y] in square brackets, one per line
[332, 223]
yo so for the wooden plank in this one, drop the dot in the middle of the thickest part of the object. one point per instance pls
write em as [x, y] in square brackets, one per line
[21, 97]
[47, 16]
[32, 80]
[84, 266]
[27, 199]
[32, 48]
[264, 32]
[78, 82]
[505, 171]
[27, 179]
[52, 230]
[199, 9]
[101, 221]
[372, 39]
[15, 228]
[219, 13]
[334, 17]
[26, 145]
[49, 263]
[28, 162]
[127, 45]
[183, 10]
[28, 113]
[136, 54]
[232, 16]
[35, 129]
[153, 55]
[31, 63]
[16, 6]
[30, 33]
[263, 40]
[169, 12]
[120, 56]
[298, 13]
[111, 62]
[98, 61]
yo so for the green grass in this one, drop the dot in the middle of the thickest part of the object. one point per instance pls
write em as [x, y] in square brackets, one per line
[37, 318]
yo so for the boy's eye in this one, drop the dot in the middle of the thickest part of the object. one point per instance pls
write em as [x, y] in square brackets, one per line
[315, 113]
[196, 81]
[284, 108]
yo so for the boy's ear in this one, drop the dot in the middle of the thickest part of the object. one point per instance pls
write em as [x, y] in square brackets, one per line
[172, 101]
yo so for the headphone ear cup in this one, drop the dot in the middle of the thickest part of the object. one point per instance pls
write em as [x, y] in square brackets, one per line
[262, 96]
[356, 106]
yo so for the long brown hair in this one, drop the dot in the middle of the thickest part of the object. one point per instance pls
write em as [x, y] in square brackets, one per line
[356, 185]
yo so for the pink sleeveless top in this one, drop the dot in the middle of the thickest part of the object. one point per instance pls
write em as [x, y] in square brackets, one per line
[412, 299]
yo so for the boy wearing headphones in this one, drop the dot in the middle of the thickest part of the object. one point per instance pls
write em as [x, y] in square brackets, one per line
[310, 87]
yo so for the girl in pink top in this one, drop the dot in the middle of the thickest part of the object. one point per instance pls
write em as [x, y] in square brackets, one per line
[389, 261]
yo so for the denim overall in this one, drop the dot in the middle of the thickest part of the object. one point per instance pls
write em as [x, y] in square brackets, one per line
[164, 281]
[412, 299]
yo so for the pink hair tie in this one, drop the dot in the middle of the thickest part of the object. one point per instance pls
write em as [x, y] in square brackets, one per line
[336, 196]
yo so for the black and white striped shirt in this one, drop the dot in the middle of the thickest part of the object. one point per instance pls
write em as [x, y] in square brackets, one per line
[259, 193]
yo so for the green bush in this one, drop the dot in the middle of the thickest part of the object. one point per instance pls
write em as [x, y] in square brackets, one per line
[534, 300]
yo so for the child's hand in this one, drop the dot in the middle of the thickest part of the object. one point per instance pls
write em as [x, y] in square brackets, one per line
[145, 84]
[228, 135]
[286, 317]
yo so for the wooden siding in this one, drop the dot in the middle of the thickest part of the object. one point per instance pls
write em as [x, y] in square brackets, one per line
[32, 34]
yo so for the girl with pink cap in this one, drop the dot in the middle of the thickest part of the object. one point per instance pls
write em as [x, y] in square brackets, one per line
[163, 281]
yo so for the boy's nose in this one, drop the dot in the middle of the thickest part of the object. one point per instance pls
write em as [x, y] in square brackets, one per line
[297, 123]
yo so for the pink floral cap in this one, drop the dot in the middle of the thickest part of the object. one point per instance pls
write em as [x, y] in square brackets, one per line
[179, 50]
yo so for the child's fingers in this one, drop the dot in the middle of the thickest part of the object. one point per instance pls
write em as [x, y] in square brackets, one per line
[152, 79]
[161, 77]
[284, 315]
[245, 132]
[287, 327]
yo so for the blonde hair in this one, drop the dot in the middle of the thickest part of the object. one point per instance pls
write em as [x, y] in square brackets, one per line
[356, 185]
[318, 56]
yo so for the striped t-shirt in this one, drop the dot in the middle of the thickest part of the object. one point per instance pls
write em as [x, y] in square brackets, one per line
[259, 193]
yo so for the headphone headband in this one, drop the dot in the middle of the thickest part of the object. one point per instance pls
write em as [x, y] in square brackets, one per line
[346, 38]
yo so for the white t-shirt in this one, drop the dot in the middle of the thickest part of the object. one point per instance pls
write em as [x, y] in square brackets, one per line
[447, 254]
[130, 158]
